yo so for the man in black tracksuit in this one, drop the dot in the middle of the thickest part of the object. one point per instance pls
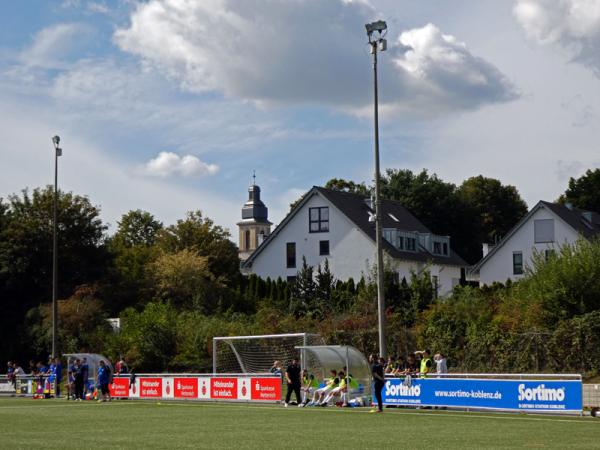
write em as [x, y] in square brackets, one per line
[292, 376]
[378, 380]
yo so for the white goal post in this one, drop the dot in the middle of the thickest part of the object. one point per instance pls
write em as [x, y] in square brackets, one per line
[256, 354]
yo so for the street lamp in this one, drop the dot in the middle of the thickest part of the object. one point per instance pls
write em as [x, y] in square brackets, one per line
[57, 153]
[376, 32]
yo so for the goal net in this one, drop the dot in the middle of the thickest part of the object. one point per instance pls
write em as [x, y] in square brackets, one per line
[257, 354]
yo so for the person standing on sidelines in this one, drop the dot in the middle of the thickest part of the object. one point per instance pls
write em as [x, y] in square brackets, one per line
[57, 372]
[377, 371]
[441, 364]
[85, 374]
[292, 376]
[426, 365]
[103, 381]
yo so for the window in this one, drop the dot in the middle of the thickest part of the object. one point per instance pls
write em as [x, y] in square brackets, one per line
[543, 230]
[411, 244]
[401, 242]
[290, 254]
[549, 253]
[517, 263]
[323, 248]
[291, 279]
[445, 248]
[389, 234]
[247, 240]
[318, 219]
[437, 248]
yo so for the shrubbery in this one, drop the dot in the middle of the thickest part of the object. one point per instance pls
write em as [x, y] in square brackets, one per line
[549, 321]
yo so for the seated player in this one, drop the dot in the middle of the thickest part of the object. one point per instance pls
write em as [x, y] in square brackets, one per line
[309, 386]
[330, 383]
[339, 390]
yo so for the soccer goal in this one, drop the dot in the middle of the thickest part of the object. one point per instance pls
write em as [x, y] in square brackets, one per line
[256, 354]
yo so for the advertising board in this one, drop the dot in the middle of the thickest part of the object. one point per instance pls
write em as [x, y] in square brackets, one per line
[520, 395]
[202, 387]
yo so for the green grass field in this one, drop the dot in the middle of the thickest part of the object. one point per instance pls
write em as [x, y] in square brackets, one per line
[26, 423]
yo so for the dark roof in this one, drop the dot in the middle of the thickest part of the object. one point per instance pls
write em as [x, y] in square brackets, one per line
[578, 219]
[356, 209]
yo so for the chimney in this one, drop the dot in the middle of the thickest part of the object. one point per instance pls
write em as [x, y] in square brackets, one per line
[486, 248]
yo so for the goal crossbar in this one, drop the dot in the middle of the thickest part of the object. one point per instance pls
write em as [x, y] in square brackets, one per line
[231, 343]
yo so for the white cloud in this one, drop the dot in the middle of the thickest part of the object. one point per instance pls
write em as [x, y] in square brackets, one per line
[86, 169]
[98, 7]
[169, 163]
[52, 46]
[306, 52]
[571, 24]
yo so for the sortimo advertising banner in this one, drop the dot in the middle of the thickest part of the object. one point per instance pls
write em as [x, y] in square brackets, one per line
[524, 395]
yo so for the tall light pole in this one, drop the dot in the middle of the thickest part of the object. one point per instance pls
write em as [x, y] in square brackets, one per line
[376, 32]
[57, 153]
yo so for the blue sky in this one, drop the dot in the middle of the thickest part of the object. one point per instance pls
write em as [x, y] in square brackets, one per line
[168, 105]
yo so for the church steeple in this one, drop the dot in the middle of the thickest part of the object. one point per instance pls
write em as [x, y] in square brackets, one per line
[254, 226]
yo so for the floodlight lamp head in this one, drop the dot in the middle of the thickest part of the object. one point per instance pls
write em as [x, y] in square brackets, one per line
[56, 140]
[380, 26]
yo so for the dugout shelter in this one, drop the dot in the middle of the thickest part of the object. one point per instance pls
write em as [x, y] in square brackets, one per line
[324, 358]
[93, 361]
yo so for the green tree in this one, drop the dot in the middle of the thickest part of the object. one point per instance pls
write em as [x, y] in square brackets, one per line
[136, 228]
[584, 192]
[303, 291]
[132, 248]
[82, 326]
[26, 255]
[201, 235]
[184, 279]
[148, 339]
[339, 184]
[437, 205]
[325, 284]
[496, 207]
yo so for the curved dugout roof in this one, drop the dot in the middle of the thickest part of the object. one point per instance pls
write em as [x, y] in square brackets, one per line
[330, 357]
[93, 360]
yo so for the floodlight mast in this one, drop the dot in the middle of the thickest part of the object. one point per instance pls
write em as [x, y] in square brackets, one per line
[57, 153]
[378, 43]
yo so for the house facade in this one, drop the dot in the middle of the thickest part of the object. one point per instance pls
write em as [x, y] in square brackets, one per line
[339, 226]
[544, 230]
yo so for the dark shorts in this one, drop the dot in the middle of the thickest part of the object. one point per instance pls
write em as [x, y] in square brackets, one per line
[104, 388]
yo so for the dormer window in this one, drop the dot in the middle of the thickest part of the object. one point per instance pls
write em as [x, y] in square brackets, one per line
[318, 219]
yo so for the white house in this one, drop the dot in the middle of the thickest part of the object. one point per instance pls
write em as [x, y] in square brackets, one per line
[544, 229]
[338, 226]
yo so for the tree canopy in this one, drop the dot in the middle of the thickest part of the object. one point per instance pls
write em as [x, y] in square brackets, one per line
[479, 210]
[584, 192]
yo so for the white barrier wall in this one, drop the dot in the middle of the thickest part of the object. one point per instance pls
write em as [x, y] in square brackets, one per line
[248, 388]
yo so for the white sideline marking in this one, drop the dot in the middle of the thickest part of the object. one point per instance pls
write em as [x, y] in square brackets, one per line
[468, 414]
[438, 414]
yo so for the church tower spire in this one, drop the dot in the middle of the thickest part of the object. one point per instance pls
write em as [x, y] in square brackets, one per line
[254, 226]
